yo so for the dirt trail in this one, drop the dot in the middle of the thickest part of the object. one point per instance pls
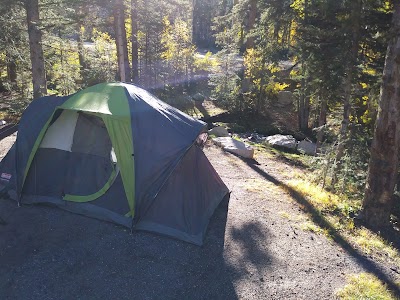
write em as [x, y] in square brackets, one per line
[252, 249]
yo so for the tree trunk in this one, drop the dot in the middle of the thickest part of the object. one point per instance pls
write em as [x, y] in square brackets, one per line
[135, 46]
[384, 161]
[304, 102]
[81, 51]
[250, 40]
[303, 108]
[120, 40]
[36, 50]
[251, 23]
[322, 119]
[11, 69]
[348, 84]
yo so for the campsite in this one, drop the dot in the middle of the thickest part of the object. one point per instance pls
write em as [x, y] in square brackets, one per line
[250, 251]
[178, 149]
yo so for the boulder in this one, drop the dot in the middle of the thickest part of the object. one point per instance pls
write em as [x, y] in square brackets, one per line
[285, 98]
[284, 141]
[198, 97]
[219, 131]
[234, 146]
[307, 147]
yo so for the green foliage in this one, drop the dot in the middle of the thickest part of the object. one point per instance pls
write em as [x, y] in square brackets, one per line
[62, 65]
[178, 51]
[101, 59]
[226, 83]
[352, 174]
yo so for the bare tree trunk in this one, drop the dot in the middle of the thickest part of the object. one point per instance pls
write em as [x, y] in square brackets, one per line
[348, 85]
[384, 161]
[135, 46]
[36, 50]
[121, 43]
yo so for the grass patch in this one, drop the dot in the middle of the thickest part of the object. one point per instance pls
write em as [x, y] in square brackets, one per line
[371, 242]
[339, 211]
[364, 286]
[312, 227]
[255, 185]
[320, 198]
[212, 110]
[290, 158]
[285, 215]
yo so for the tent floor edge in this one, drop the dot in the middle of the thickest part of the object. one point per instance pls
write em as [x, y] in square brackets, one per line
[85, 209]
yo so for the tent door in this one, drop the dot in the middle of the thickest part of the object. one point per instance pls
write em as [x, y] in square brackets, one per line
[74, 160]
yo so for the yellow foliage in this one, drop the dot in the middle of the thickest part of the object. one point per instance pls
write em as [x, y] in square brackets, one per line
[298, 7]
[294, 73]
[176, 39]
[386, 7]
[274, 68]
[366, 118]
[293, 33]
[370, 71]
[280, 86]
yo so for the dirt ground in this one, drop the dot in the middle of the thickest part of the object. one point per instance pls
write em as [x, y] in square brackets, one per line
[252, 250]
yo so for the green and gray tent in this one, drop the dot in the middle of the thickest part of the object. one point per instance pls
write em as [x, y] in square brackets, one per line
[115, 152]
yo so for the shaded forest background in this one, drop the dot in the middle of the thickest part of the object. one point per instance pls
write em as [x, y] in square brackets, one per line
[329, 54]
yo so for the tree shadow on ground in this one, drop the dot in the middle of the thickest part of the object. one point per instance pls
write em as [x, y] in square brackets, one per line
[202, 109]
[290, 161]
[368, 264]
[252, 239]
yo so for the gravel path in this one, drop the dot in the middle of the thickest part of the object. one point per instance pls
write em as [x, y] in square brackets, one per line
[252, 249]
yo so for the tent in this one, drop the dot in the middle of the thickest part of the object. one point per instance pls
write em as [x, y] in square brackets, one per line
[115, 152]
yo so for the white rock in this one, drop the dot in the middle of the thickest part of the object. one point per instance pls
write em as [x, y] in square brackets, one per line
[307, 147]
[285, 141]
[234, 146]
